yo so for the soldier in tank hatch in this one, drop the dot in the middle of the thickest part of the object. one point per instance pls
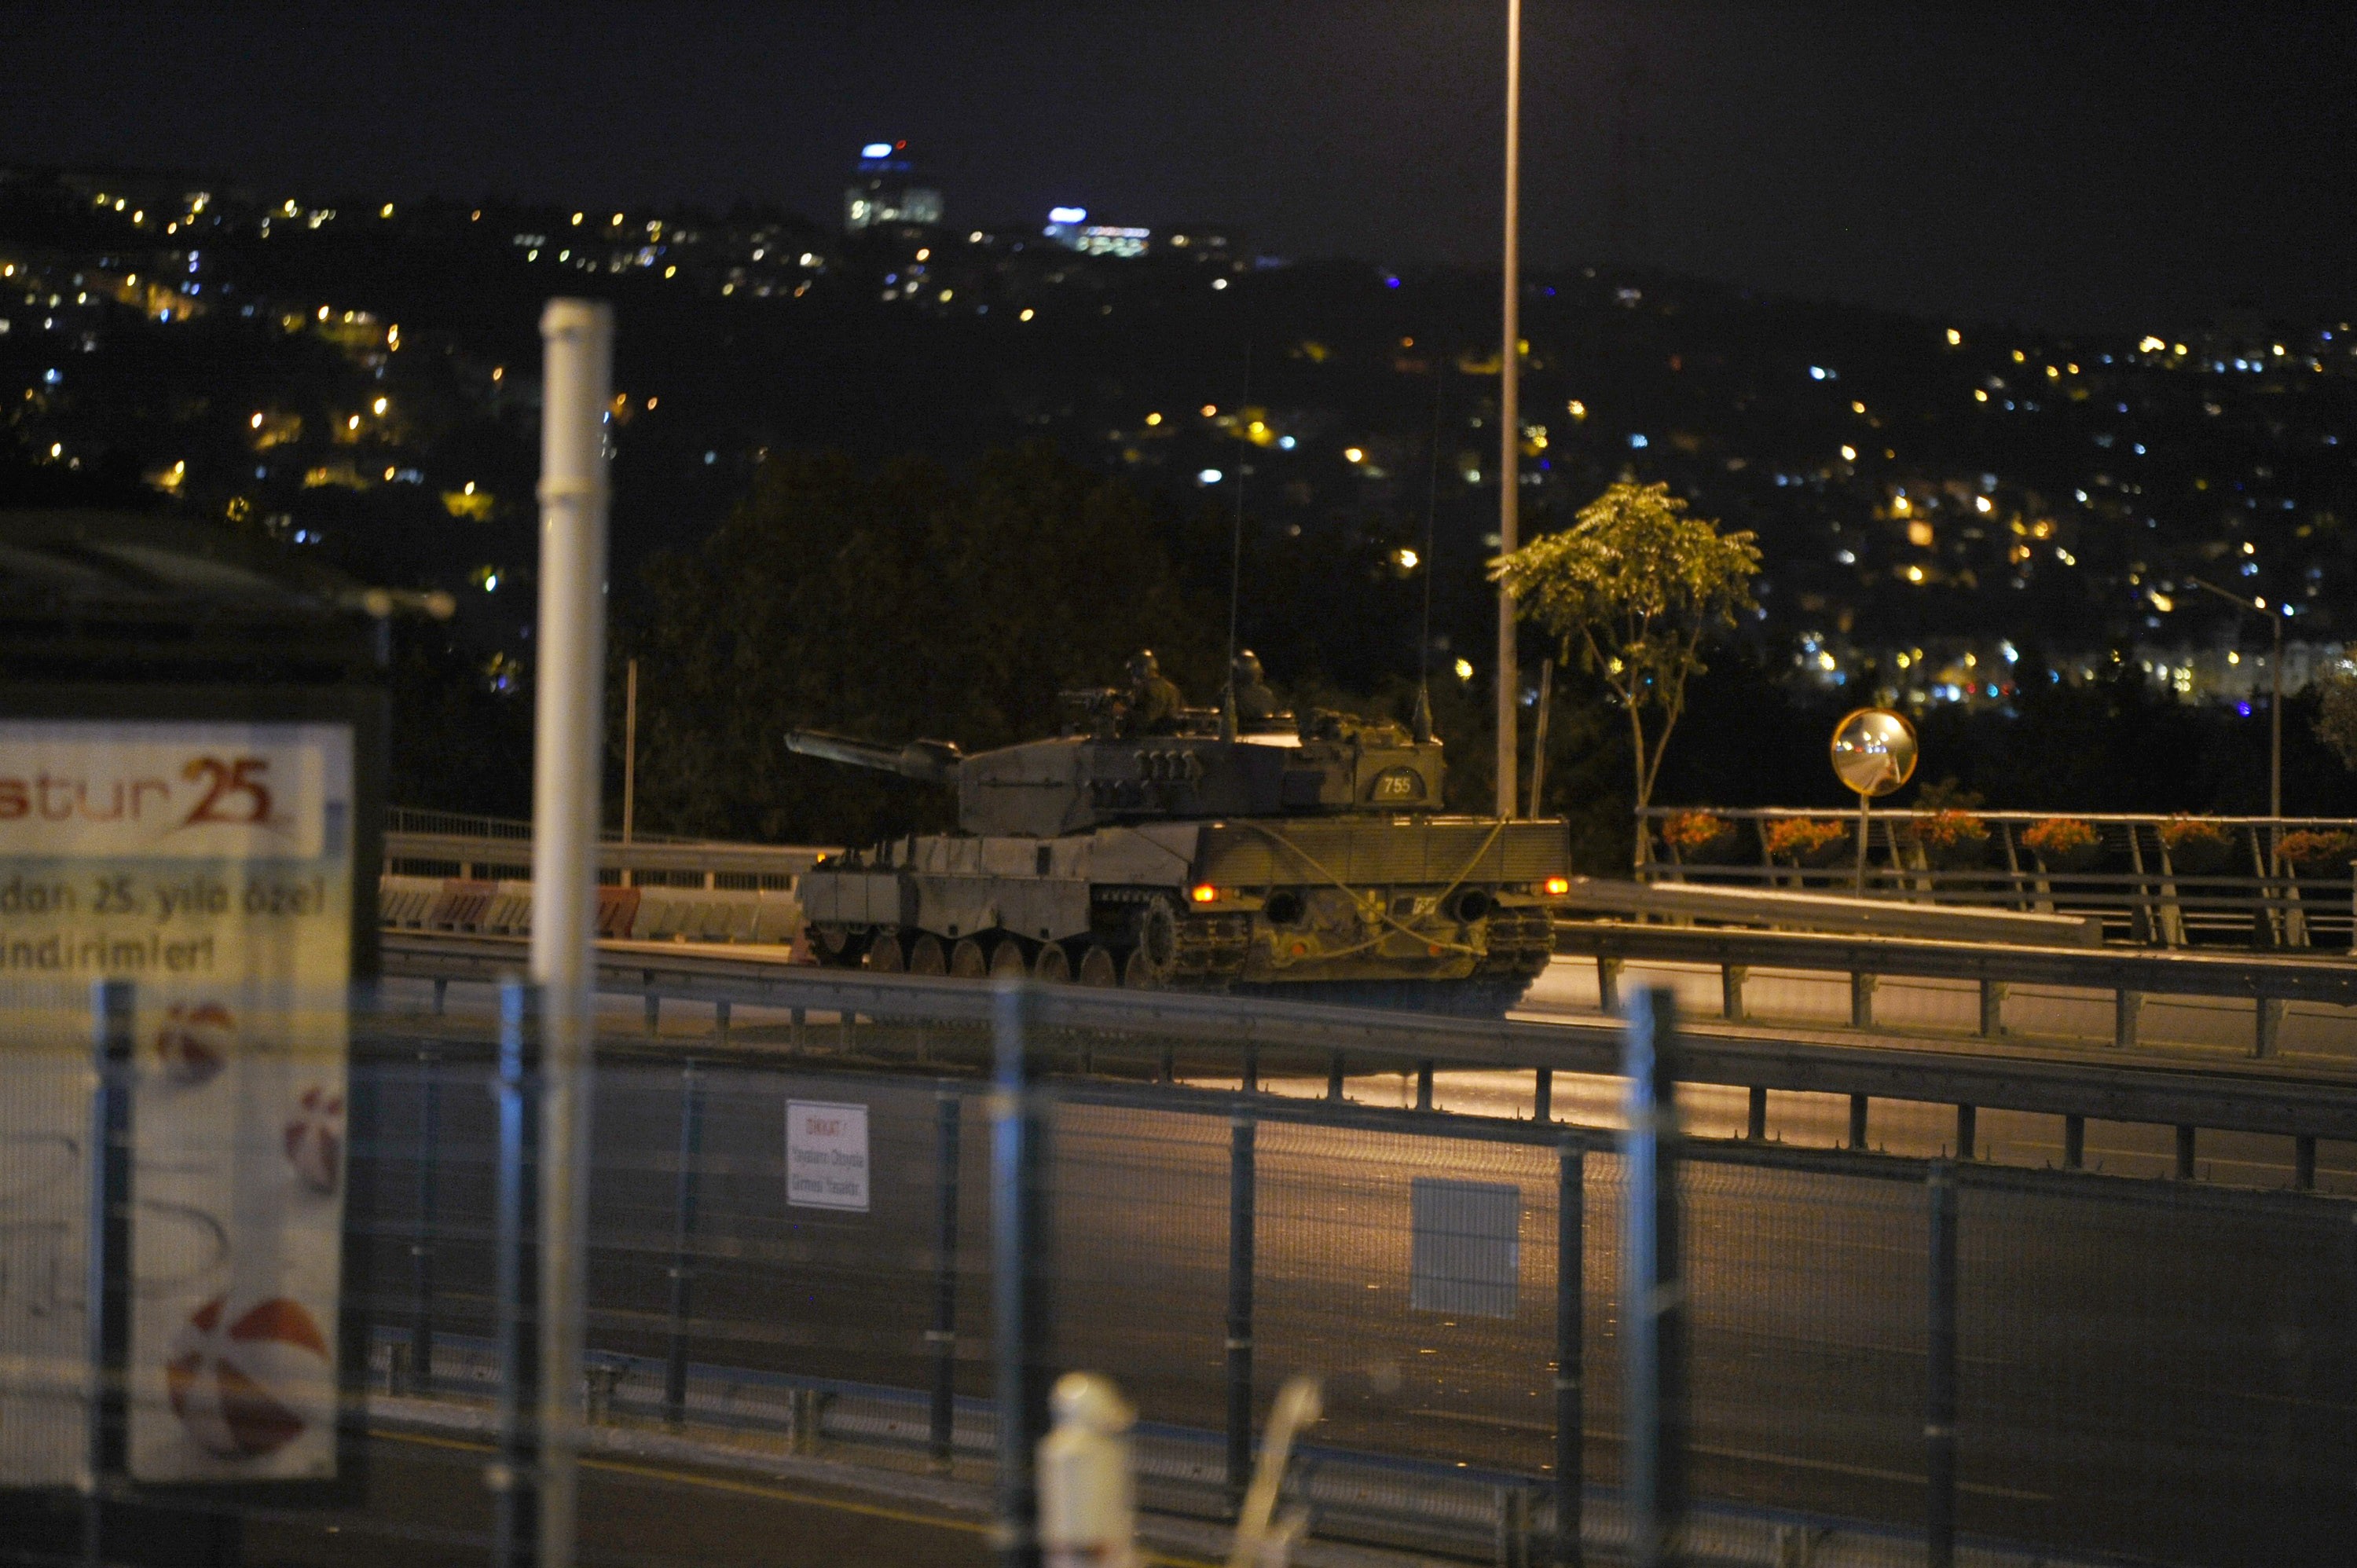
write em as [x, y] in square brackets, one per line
[1256, 703]
[1152, 704]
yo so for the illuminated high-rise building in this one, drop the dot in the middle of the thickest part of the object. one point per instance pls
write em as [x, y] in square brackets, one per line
[886, 193]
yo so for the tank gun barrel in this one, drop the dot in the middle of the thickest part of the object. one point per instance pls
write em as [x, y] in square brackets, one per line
[927, 761]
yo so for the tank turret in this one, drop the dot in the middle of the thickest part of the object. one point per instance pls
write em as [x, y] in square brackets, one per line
[1328, 764]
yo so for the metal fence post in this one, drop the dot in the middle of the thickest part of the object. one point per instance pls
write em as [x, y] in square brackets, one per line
[1019, 1243]
[1857, 1104]
[1242, 1182]
[1570, 1346]
[1939, 1396]
[108, 1323]
[1755, 1119]
[1967, 1131]
[1653, 1306]
[682, 1271]
[1543, 1096]
[421, 1248]
[942, 1336]
[2075, 1143]
[514, 1473]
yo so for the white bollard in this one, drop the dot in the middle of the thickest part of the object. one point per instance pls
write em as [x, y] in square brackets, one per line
[1088, 1490]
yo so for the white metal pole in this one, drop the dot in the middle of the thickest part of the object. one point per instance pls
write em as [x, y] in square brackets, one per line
[1510, 417]
[567, 757]
[630, 755]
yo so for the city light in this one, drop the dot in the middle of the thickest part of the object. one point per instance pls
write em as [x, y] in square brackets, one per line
[1465, 670]
[1407, 558]
[380, 405]
[1209, 476]
[385, 211]
[1153, 419]
[1849, 453]
[1955, 339]
[1354, 455]
[1068, 215]
[1026, 315]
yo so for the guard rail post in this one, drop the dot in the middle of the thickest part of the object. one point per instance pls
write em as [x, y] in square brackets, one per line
[1731, 978]
[2303, 1163]
[1967, 1130]
[1993, 1008]
[2075, 1143]
[514, 1473]
[720, 1023]
[1424, 1085]
[1755, 1118]
[683, 1242]
[2126, 1006]
[1652, 1291]
[1940, 1400]
[1570, 1346]
[2268, 1027]
[1019, 1245]
[1861, 999]
[1334, 1077]
[2184, 1154]
[1242, 1207]
[1857, 1122]
[1542, 1095]
[419, 1374]
[1607, 985]
[654, 1004]
[949, 1115]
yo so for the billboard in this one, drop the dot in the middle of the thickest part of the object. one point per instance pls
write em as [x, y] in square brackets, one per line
[210, 863]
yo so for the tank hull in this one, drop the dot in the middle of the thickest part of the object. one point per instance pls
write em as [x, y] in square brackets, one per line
[1435, 906]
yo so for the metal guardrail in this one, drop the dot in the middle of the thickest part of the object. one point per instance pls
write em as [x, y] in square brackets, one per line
[2130, 976]
[1828, 912]
[2140, 890]
[1314, 1036]
[710, 864]
[471, 825]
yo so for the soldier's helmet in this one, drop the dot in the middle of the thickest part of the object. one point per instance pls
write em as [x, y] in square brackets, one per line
[1247, 667]
[1144, 666]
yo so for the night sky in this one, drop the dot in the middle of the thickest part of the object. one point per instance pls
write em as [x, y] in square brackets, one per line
[2094, 163]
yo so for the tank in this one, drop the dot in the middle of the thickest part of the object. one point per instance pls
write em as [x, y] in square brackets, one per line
[1310, 858]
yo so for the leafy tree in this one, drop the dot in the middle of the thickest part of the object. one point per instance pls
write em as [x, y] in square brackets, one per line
[889, 604]
[1634, 587]
[2336, 717]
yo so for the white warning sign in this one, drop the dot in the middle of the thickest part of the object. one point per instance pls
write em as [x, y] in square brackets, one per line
[826, 1155]
[210, 864]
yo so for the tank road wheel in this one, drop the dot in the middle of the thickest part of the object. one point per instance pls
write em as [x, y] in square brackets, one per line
[1097, 967]
[1052, 967]
[884, 955]
[925, 956]
[1155, 960]
[967, 961]
[1006, 960]
[837, 948]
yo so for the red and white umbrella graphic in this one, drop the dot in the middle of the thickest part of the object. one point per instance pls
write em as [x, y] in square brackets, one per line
[315, 1138]
[248, 1390]
[194, 1043]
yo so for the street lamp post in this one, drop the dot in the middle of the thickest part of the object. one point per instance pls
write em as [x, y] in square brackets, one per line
[1510, 411]
[2274, 702]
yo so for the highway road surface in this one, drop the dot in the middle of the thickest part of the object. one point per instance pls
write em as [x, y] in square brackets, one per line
[2143, 1374]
